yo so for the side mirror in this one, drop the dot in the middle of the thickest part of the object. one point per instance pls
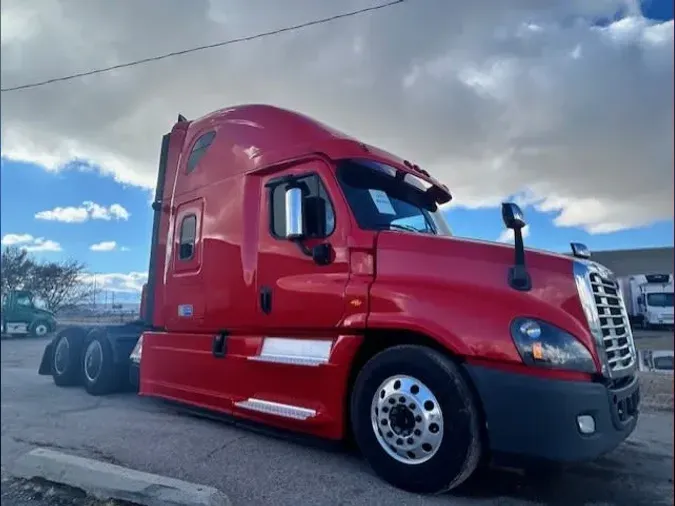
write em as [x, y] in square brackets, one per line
[512, 216]
[580, 250]
[293, 203]
[322, 254]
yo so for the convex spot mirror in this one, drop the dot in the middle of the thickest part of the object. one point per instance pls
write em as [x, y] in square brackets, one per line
[580, 250]
[513, 216]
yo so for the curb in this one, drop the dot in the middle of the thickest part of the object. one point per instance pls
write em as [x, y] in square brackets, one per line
[108, 481]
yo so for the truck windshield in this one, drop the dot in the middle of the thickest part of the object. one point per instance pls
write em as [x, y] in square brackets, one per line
[384, 198]
[660, 299]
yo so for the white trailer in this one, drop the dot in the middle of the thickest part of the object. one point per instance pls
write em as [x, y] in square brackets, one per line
[649, 299]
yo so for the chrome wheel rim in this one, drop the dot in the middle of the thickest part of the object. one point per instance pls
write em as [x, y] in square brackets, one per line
[61, 356]
[93, 360]
[41, 330]
[407, 419]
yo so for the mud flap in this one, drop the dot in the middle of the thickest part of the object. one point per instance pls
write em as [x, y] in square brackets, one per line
[46, 363]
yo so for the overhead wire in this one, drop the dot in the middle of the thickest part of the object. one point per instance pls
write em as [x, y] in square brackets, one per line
[228, 42]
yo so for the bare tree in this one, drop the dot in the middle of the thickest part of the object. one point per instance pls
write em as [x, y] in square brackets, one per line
[16, 269]
[60, 284]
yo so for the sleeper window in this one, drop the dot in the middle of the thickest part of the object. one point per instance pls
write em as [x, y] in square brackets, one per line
[199, 150]
[188, 234]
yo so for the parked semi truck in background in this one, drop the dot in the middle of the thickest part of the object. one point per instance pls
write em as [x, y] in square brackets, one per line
[649, 299]
[22, 315]
[304, 279]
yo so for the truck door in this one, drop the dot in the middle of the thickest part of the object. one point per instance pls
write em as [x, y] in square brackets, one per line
[185, 298]
[294, 292]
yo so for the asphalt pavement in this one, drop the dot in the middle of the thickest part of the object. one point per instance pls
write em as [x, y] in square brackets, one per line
[263, 470]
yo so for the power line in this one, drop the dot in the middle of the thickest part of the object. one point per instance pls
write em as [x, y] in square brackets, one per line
[208, 46]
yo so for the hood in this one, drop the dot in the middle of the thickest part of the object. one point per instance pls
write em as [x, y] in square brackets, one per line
[44, 312]
[464, 284]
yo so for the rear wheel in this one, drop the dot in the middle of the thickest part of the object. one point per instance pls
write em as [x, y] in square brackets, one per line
[415, 420]
[100, 373]
[66, 360]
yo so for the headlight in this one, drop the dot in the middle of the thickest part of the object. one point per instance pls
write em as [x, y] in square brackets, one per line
[544, 345]
[136, 353]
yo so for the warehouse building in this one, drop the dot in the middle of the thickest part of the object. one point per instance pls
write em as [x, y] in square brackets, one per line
[630, 262]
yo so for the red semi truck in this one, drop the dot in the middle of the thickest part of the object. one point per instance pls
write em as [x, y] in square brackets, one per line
[305, 280]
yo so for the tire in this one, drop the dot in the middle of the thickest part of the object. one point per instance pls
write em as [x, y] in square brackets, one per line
[65, 359]
[450, 425]
[40, 328]
[100, 373]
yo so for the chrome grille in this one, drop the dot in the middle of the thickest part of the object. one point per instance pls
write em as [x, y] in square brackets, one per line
[614, 325]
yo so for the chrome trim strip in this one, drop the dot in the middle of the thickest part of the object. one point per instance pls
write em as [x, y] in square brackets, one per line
[285, 359]
[276, 408]
[294, 351]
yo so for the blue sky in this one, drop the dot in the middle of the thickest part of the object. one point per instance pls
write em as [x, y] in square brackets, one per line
[72, 187]
[27, 190]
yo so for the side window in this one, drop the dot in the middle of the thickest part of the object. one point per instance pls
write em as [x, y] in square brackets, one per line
[23, 300]
[319, 213]
[188, 234]
[199, 150]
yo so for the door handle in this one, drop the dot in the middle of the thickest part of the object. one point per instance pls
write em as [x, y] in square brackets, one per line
[266, 299]
[219, 345]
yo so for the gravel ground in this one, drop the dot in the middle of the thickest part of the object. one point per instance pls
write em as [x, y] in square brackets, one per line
[259, 470]
[33, 493]
[657, 392]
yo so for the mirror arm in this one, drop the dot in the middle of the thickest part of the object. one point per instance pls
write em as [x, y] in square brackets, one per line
[301, 245]
[519, 277]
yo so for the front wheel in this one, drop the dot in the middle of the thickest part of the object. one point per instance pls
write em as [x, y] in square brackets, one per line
[415, 420]
[40, 328]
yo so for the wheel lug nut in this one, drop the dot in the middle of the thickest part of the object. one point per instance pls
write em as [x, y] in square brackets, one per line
[412, 406]
[384, 421]
[401, 400]
[418, 418]
[418, 432]
[410, 441]
[390, 434]
[399, 441]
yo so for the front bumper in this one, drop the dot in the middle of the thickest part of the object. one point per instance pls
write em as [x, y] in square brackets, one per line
[536, 418]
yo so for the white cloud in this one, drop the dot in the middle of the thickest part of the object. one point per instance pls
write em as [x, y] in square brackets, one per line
[103, 246]
[30, 243]
[87, 211]
[507, 234]
[494, 98]
[15, 239]
[131, 282]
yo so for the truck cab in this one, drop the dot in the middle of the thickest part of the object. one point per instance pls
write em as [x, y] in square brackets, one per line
[654, 301]
[306, 280]
[24, 314]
